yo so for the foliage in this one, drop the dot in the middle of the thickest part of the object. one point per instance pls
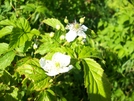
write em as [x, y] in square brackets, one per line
[102, 63]
[115, 36]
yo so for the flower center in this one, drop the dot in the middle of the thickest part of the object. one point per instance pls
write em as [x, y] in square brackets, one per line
[76, 26]
[57, 64]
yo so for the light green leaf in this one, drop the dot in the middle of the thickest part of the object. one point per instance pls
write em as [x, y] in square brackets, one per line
[23, 24]
[7, 22]
[122, 53]
[53, 22]
[31, 69]
[35, 32]
[5, 31]
[3, 48]
[45, 48]
[87, 51]
[96, 83]
[6, 59]
[48, 45]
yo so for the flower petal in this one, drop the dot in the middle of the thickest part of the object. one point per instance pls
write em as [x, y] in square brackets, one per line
[42, 62]
[82, 34]
[65, 69]
[71, 35]
[63, 59]
[52, 73]
[84, 28]
[49, 65]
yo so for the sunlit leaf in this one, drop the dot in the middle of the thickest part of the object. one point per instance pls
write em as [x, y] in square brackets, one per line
[18, 38]
[96, 83]
[3, 48]
[6, 59]
[7, 22]
[20, 34]
[53, 22]
[31, 69]
[86, 51]
[45, 48]
[5, 31]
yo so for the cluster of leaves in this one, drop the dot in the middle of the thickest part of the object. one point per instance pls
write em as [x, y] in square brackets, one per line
[116, 38]
[22, 26]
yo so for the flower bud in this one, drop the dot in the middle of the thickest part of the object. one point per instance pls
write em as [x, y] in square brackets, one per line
[35, 46]
[51, 34]
[66, 20]
[62, 37]
[57, 27]
[81, 20]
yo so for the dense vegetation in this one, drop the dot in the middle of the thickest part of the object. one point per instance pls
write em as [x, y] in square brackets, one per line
[103, 62]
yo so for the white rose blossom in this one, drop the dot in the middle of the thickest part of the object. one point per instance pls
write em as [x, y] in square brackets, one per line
[59, 64]
[75, 29]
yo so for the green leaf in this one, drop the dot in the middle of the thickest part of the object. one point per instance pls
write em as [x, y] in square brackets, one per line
[48, 45]
[53, 22]
[46, 95]
[87, 51]
[3, 48]
[23, 24]
[6, 78]
[6, 59]
[35, 32]
[5, 31]
[96, 83]
[20, 34]
[45, 48]
[31, 69]
[7, 22]
[122, 53]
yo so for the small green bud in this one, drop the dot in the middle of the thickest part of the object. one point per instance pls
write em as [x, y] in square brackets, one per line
[51, 34]
[57, 27]
[62, 37]
[35, 46]
[66, 20]
[81, 20]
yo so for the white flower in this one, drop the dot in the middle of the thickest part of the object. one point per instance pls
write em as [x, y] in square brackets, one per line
[58, 64]
[75, 30]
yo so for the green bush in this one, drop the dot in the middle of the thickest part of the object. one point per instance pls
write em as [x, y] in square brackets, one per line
[32, 29]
